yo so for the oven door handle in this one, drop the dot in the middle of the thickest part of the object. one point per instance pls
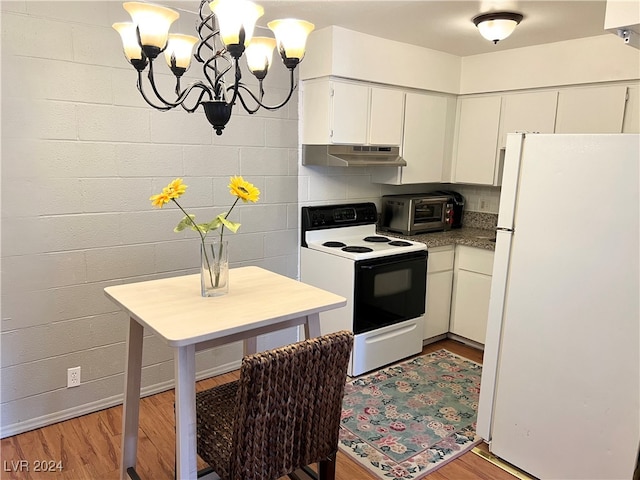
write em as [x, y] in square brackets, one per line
[377, 265]
[386, 264]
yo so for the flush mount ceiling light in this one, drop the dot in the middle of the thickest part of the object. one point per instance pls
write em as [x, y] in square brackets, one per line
[225, 33]
[496, 26]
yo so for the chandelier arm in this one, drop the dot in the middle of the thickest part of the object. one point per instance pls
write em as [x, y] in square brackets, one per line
[259, 100]
[244, 104]
[152, 82]
[198, 101]
[185, 93]
[204, 90]
[219, 79]
[181, 96]
[218, 83]
[236, 87]
[163, 108]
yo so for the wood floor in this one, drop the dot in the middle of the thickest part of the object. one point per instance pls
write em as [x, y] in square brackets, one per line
[88, 447]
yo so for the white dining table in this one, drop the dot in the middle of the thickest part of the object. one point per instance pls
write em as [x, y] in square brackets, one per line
[258, 302]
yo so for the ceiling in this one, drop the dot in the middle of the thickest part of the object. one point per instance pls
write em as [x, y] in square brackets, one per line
[446, 25]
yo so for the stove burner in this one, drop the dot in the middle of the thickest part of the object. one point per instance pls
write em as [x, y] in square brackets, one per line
[376, 238]
[400, 243]
[356, 249]
[334, 244]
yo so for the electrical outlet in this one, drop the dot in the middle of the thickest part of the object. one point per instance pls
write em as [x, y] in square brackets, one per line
[483, 204]
[73, 377]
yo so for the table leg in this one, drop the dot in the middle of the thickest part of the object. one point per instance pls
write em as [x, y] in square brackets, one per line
[131, 404]
[250, 346]
[312, 326]
[185, 375]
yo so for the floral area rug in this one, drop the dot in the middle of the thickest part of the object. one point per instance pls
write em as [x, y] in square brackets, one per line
[411, 418]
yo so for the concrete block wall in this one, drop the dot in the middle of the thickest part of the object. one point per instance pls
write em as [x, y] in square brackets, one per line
[81, 155]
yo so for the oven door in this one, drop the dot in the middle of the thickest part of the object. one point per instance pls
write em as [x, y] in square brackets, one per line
[389, 290]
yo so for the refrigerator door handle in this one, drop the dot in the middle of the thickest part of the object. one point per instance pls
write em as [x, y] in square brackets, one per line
[504, 229]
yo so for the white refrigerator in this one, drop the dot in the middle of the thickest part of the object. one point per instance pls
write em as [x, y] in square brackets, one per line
[560, 390]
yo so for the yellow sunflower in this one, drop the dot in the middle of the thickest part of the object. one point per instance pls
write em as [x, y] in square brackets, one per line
[176, 188]
[244, 190]
[160, 199]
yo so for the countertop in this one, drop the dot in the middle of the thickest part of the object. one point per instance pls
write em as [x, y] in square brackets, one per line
[471, 237]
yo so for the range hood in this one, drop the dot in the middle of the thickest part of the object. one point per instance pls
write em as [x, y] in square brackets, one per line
[352, 156]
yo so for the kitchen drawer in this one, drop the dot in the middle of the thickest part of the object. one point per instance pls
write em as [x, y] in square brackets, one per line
[440, 259]
[474, 259]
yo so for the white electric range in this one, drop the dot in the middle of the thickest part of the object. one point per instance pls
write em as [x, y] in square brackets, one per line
[383, 279]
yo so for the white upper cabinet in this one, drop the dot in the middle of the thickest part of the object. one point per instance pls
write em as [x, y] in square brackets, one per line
[478, 156]
[631, 122]
[426, 142]
[385, 116]
[478, 123]
[591, 109]
[425, 137]
[350, 113]
[528, 112]
[349, 104]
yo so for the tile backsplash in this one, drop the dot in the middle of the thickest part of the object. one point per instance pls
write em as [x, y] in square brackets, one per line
[478, 198]
[318, 184]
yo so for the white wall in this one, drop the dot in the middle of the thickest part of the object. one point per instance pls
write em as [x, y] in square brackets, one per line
[81, 155]
[604, 58]
[345, 53]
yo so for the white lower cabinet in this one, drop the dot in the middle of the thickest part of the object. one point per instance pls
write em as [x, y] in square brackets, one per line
[471, 289]
[439, 281]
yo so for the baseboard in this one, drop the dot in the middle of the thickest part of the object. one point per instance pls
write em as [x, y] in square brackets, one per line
[84, 409]
[466, 341]
[435, 339]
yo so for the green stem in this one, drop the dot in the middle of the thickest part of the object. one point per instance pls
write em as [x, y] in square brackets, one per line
[221, 234]
[202, 237]
[225, 217]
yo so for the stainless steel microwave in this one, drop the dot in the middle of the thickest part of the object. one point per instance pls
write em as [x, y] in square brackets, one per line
[416, 213]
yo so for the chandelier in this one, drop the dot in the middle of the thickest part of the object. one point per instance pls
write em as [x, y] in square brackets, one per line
[225, 33]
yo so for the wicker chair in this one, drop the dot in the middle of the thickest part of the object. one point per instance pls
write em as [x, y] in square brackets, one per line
[282, 415]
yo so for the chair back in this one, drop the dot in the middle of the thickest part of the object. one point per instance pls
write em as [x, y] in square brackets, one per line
[289, 406]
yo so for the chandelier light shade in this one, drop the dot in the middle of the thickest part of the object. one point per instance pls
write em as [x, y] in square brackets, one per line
[130, 44]
[153, 24]
[496, 26]
[237, 20]
[179, 50]
[260, 55]
[225, 34]
[291, 35]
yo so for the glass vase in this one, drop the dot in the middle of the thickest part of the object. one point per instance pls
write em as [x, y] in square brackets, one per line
[214, 268]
